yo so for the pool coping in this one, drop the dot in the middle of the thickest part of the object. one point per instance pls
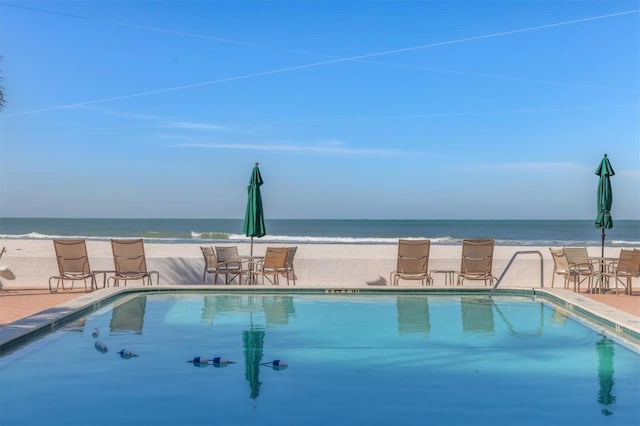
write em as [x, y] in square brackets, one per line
[606, 319]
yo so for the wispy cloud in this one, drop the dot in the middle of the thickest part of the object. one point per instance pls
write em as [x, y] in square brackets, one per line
[629, 173]
[528, 166]
[193, 126]
[106, 111]
[173, 137]
[538, 165]
[546, 167]
[326, 147]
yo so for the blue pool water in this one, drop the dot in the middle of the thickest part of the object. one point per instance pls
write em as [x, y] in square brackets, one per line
[388, 359]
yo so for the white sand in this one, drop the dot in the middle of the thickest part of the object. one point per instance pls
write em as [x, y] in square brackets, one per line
[316, 265]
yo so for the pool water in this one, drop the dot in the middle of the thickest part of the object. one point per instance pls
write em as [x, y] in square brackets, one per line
[356, 359]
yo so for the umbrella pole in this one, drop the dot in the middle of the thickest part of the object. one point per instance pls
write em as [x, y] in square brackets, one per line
[602, 258]
[251, 249]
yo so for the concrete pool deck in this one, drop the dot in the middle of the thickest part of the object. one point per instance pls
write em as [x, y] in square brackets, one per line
[19, 303]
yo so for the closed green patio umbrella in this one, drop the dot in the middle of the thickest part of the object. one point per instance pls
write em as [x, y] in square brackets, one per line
[254, 216]
[605, 198]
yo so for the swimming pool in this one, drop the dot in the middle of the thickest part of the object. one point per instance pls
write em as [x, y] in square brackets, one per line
[356, 359]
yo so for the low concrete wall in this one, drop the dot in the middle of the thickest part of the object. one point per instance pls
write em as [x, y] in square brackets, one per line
[340, 265]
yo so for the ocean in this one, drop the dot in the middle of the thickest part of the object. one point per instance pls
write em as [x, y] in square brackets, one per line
[625, 233]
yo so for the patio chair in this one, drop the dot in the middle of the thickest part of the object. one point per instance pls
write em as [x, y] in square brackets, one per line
[211, 265]
[273, 264]
[561, 267]
[288, 269]
[73, 264]
[413, 262]
[130, 263]
[627, 266]
[476, 262]
[578, 258]
[5, 272]
[230, 263]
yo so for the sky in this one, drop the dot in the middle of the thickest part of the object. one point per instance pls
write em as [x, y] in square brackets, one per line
[467, 109]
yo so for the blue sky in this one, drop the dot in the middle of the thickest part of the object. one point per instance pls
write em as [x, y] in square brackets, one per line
[354, 109]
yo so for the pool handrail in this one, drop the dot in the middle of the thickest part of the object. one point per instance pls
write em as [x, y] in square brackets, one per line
[511, 261]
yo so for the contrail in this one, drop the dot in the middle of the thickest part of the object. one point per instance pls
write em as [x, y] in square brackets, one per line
[328, 62]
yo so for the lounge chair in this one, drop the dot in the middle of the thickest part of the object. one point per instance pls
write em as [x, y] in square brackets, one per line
[229, 263]
[273, 264]
[289, 271]
[578, 258]
[130, 263]
[627, 266]
[476, 262]
[413, 262]
[210, 263]
[73, 264]
[561, 267]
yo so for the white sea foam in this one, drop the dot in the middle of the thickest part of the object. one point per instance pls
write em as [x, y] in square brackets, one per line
[38, 236]
[287, 239]
[624, 243]
[203, 237]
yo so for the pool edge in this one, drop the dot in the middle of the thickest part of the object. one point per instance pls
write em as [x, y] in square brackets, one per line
[618, 323]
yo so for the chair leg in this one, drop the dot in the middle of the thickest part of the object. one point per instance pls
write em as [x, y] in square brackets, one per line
[51, 290]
